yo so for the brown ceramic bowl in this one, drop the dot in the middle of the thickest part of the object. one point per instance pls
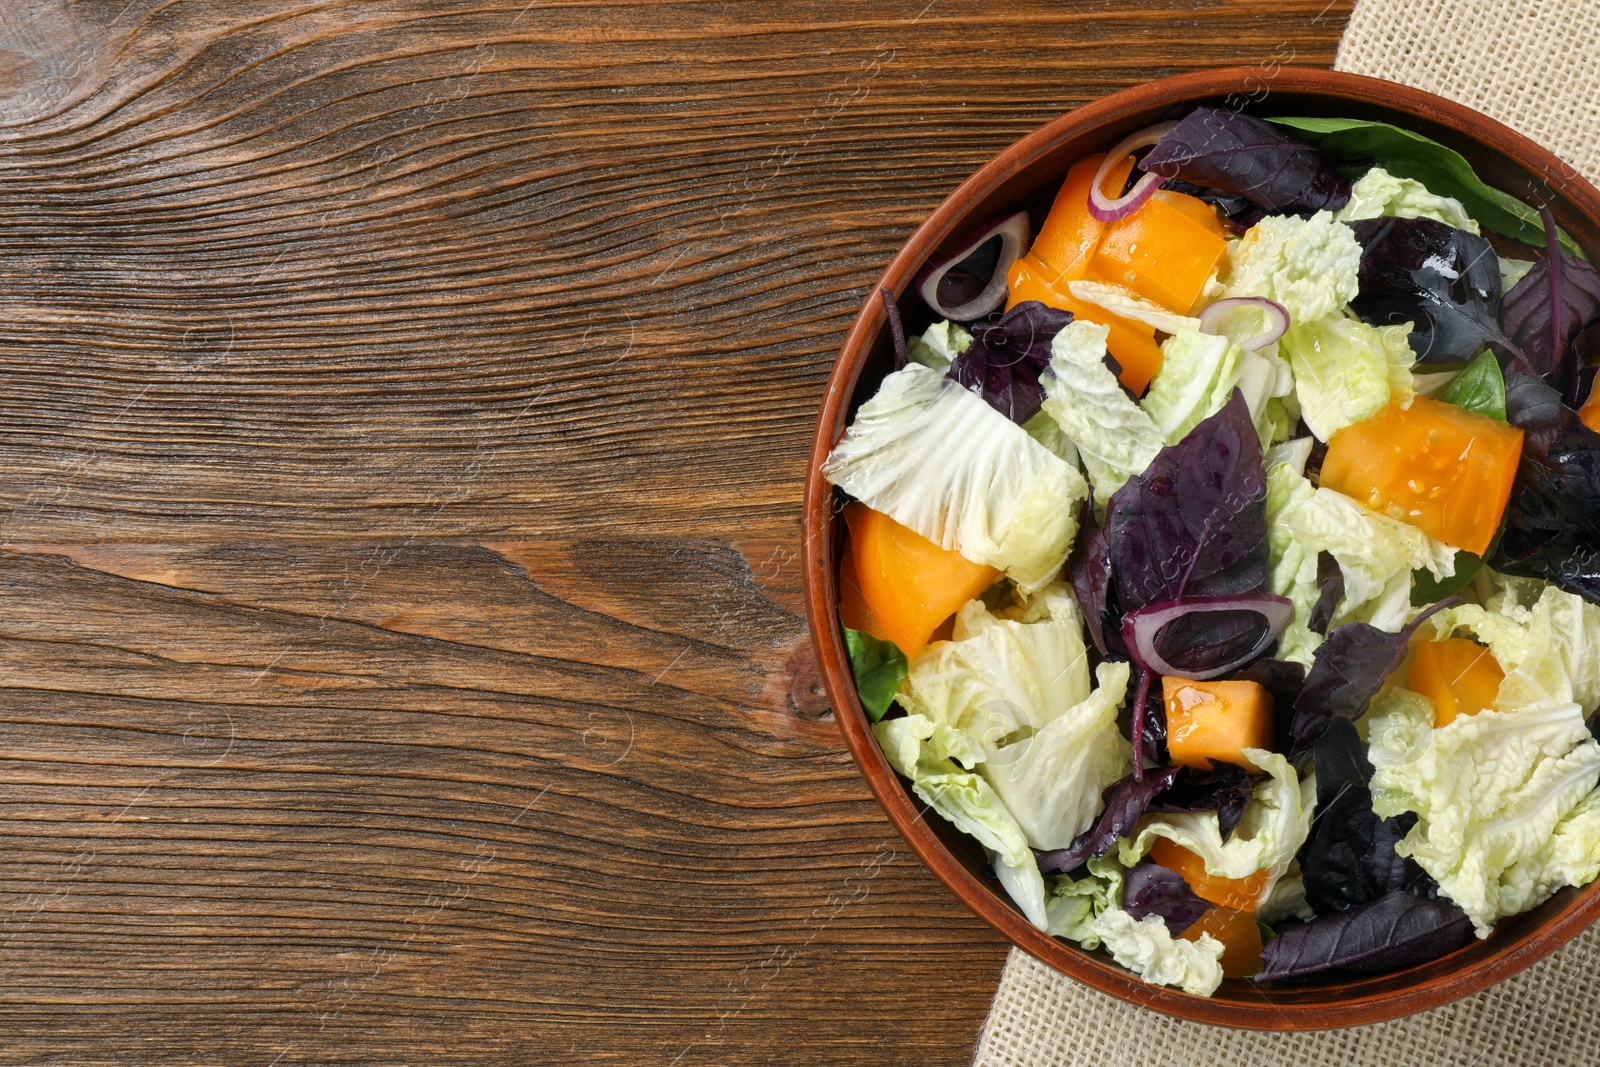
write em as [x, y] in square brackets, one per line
[1028, 173]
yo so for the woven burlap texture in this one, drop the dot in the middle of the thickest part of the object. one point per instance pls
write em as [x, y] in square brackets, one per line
[1529, 63]
[1533, 65]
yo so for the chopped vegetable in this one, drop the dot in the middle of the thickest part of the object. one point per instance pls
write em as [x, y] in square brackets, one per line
[1102, 206]
[938, 345]
[1151, 889]
[1204, 637]
[936, 458]
[1215, 721]
[1461, 677]
[1443, 469]
[1307, 266]
[1346, 371]
[1062, 254]
[1394, 931]
[1506, 802]
[1442, 282]
[1480, 388]
[1239, 894]
[1243, 155]
[970, 282]
[878, 668]
[1380, 193]
[1005, 359]
[1529, 315]
[909, 584]
[1350, 858]
[1162, 253]
[1115, 437]
[1555, 502]
[1349, 669]
[1240, 935]
[1194, 522]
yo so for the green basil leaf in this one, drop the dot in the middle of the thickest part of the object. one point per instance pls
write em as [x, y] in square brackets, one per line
[1425, 590]
[1480, 387]
[878, 666]
[1443, 170]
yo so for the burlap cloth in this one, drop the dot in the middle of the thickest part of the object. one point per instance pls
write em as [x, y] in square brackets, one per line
[1534, 65]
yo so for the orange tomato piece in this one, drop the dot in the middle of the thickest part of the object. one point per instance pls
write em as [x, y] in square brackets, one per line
[1061, 254]
[1461, 677]
[1443, 469]
[854, 611]
[1070, 234]
[1131, 344]
[1236, 894]
[908, 584]
[1196, 209]
[1215, 721]
[1162, 252]
[1240, 937]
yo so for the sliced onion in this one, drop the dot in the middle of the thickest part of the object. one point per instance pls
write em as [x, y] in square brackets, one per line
[1141, 628]
[1217, 312]
[1014, 233]
[1104, 209]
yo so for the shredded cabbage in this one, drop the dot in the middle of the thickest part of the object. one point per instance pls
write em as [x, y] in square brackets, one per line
[936, 458]
[1380, 193]
[938, 345]
[1506, 803]
[1115, 437]
[1376, 555]
[1307, 265]
[1346, 371]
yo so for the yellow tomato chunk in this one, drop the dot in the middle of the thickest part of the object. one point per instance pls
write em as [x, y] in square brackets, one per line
[1061, 255]
[1162, 252]
[1240, 937]
[1461, 677]
[1215, 721]
[905, 584]
[1236, 894]
[1443, 469]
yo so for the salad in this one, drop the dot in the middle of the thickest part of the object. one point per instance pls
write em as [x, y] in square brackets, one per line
[1223, 552]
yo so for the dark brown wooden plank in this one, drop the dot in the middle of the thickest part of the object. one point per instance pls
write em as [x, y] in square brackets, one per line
[402, 656]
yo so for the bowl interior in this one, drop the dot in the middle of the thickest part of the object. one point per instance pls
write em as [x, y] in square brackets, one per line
[1028, 175]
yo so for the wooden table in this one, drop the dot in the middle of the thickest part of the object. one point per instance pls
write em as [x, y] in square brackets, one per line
[404, 413]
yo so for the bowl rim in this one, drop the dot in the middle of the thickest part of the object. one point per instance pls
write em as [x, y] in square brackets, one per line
[821, 597]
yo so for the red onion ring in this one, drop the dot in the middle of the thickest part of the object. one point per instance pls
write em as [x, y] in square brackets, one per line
[1140, 629]
[1217, 311]
[1103, 209]
[1015, 235]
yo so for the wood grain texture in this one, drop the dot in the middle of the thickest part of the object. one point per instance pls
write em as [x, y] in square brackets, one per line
[402, 656]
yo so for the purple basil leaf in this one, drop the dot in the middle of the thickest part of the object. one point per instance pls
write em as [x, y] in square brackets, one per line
[1330, 586]
[1195, 522]
[1553, 520]
[1125, 801]
[1349, 858]
[1528, 318]
[897, 332]
[1569, 559]
[1153, 726]
[1005, 359]
[1444, 281]
[1395, 930]
[1283, 681]
[1090, 570]
[1242, 155]
[1151, 889]
[1225, 789]
[1347, 670]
